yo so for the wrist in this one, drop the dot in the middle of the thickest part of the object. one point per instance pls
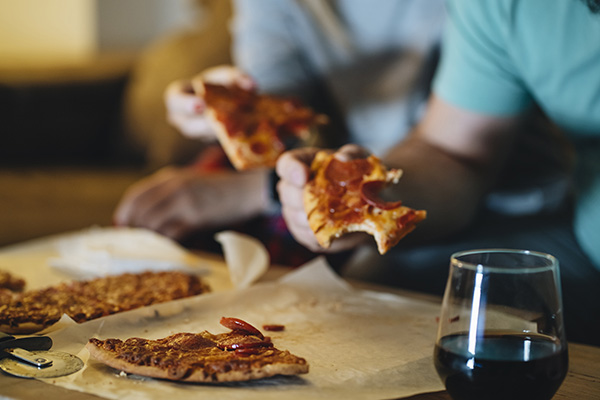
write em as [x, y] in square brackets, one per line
[268, 201]
[256, 188]
[272, 196]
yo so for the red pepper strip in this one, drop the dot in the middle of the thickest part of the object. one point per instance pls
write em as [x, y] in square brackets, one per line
[274, 327]
[238, 324]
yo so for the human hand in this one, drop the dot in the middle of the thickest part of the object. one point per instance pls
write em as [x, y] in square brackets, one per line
[293, 168]
[178, 201]
[185, 105]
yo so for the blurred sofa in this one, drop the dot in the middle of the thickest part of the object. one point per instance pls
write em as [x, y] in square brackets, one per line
[74, 138]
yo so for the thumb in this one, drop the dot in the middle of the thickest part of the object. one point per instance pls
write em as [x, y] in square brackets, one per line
[351, 152]
[294, 165]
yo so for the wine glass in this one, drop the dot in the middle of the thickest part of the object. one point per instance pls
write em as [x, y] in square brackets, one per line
[501, 332]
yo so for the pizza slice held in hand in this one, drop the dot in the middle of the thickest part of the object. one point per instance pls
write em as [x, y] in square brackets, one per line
[242, 354]
[254, 129]
[344, 196]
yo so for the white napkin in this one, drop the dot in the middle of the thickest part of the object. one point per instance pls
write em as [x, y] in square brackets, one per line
[99, 252]
[246, 257]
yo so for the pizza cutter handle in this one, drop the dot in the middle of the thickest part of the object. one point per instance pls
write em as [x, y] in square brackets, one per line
[28, 357]
[4, 337]
[27, 343]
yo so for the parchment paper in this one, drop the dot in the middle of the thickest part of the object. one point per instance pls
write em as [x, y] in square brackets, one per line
[359, 344]
[100, 251]
[247, 259]
[36, 260]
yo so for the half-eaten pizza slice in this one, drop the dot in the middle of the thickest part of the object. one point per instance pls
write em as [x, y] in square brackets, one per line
[344, 196]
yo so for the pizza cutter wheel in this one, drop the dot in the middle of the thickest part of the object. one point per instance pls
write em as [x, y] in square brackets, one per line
[30, 357]
[49, 364]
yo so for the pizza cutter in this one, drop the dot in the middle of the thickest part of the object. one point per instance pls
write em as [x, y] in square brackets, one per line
[31, 357]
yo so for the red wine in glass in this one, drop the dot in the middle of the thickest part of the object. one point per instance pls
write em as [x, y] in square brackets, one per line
[501, 332]
[506, 366]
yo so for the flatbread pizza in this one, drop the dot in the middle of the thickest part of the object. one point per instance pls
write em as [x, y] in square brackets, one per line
[34, 310]
[241, 354]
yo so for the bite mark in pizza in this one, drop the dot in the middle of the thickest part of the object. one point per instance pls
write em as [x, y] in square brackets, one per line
[344, 196]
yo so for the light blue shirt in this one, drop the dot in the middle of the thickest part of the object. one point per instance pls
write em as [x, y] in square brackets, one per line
[377, 78]
[501, 56]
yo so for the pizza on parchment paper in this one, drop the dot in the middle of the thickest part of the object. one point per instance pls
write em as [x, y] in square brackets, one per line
[34, 310]
[242, 354]
[343, 197]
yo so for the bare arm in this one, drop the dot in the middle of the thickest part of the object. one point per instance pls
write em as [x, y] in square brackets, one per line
[178, 201]
[449, 161]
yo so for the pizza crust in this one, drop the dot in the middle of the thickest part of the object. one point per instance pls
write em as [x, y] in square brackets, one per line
[23, 328]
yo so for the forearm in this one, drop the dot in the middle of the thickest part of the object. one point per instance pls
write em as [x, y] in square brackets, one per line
[447, 187]
[449, 167]
[236, 196]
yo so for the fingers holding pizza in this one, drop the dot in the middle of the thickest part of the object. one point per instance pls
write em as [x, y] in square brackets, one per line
[184, 101]
[223, 75]
[293, 169]
[326, 196]
[185, 111]
[351, 152]
[254, 129]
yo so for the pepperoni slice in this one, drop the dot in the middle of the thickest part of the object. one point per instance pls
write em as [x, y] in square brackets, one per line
[369, 192]
[344, 173]
[239, 325]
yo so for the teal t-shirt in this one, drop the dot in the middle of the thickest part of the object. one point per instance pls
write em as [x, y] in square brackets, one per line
[501, 56]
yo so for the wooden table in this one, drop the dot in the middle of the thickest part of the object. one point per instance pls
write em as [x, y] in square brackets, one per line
[582, 381]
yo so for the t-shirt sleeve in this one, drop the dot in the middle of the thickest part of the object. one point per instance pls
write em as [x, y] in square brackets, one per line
[476, 72]
[266, 47]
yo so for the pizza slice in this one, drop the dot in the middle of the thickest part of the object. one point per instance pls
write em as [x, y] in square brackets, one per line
[254, 129]
[242, 354]
[35, 310]
[344, 196]
[30, 311]
[11, 282]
